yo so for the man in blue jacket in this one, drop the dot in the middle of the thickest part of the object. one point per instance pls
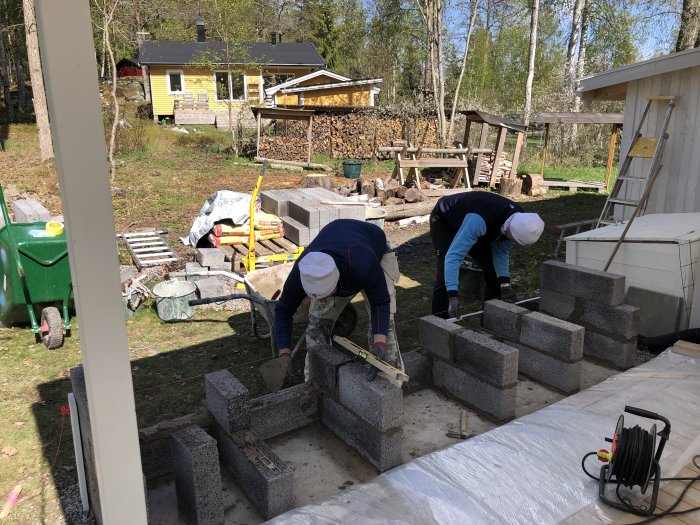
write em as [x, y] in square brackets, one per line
[347, 257]
[485, 226]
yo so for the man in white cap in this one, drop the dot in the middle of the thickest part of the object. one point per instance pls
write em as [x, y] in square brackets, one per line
[485, 226]
[346, 257]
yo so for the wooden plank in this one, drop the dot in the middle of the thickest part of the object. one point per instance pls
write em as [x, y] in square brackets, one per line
[544, 149]
[228, 251]
[271, 246]
[285, 244]
[500, 141]
[480, 156]
[615, 132]
[686, 348]
[516, 155]
[433, 163]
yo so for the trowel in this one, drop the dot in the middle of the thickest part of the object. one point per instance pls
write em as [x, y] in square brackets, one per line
[275, 371]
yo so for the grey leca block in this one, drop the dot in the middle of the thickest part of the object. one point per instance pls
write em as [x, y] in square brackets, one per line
[552, 372]
[621, 354]
[378, 402]
[382, 449]
[266, 480]
[418, 368]
[557, 304]
[503, 318]
[296, 232]
[592, 285]
[436, 336]
[622, 320]
[289, 409]
[324, 362]
[275, 202]
[197, 477]
[556, 337]
[227, 400]
[487, 359]
[211, 287]
[30, 210]
[210, 256]
[498, 403]
[305, 213]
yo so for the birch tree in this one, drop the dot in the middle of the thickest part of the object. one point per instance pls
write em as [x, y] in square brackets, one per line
[473, 5]
[689, 31]
[534, 14]
[570, 66]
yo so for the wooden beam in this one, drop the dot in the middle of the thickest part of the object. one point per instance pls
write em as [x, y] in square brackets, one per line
[480, 156]
[500, 141]
[544, 149]
[611, 152]
[516, 154]
[433, 163]
[309, 136]
[257, 147]
[467, 128]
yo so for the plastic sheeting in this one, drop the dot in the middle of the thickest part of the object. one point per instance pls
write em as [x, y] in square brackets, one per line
[528, 471]
[223, 204]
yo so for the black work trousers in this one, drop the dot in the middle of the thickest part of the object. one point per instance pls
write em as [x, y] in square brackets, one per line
[442, 236]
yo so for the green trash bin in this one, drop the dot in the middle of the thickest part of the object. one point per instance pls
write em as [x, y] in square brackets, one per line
[351, 169]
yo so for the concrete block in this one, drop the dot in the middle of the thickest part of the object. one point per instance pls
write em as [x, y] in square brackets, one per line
[324, 215]
[503, 318]
[275, 202]
[210, 256]
[377, 402]
[313, 232]
[266, 480]
[622, 354]
[498, 403]
[228, 400]
[305, 213]
[592, 285]
[295, 231]
[556, 337]
[276, 414]
[557, 304]
[659, 313]
[324, 362]
[550, 371]
[418, 367]
[622, 320]
[224, 266]
[489, 360]
[211, 287]
[382, 449]
[197, 477]
[436, 336]
[30, 210]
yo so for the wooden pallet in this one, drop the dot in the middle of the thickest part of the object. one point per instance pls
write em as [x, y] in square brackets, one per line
[235, 253]
[573, 185]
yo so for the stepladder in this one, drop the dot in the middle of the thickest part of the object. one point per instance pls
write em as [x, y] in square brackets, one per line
[642, 147]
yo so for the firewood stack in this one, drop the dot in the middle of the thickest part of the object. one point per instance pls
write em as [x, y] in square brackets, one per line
[387, 192]
[487, 165]
[284, 148]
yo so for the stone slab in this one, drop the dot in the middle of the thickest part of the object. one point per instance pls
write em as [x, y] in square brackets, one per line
[486, 358]
[503, 318]
[209, 256]
[211, 287]
[289, 409]
[30, 210]
[556, 337]
[659, 313]
[550, 371]
[418, 368]
[436, 336]
[324, 362]
[228, 400]
[586, 283]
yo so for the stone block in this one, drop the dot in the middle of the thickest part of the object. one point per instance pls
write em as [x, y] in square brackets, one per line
[210, 256]
[313, 232]
[266, 480]
[295, 231]
[556, 337]
[275, 202]
[586, 283]
[622, 354]
[659, 313]
[436, 336]
[377, 402]
[418, 368]
[324, 362]
[622, 320]
[305, 213]
[486, 358]
[550, 371]
[498, 403]
[228, 400]
[290, 408]
[382, 449]
[224, 266]
[30, 210]
[211, 287]
[557, 304]
[197, 477]
[503, 319]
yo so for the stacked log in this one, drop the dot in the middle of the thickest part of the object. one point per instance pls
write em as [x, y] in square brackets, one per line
[504, 167]
[385, 192]
[284, 148]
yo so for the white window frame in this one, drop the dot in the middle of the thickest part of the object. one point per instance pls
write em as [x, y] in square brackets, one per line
[169, 72]
[230, 73]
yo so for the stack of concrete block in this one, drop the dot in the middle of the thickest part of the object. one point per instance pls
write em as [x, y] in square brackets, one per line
[365, 414]
[30, 210]
[550, 349]
[419, 369]
[593, 299]
[207, 259]
[472, 367]
[303, 214]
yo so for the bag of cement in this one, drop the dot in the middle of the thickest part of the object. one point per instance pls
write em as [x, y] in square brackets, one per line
[221, 205]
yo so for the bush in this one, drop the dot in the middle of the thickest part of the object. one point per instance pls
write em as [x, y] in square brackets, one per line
[131, 140]
[144, 111]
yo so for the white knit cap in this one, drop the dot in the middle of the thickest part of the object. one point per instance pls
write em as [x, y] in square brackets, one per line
[319, 274]
[526, 228]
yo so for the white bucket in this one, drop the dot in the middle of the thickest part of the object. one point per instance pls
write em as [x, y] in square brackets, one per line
[172, 298]
[375, 216]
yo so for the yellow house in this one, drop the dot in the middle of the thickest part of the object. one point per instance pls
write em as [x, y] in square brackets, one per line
[324, 88]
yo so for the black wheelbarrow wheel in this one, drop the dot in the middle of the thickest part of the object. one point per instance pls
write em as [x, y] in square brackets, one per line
[346, 322]
[51, 328]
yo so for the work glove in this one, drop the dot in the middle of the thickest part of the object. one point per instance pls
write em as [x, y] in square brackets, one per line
[379, 351]
[508, 294]
[453, 310]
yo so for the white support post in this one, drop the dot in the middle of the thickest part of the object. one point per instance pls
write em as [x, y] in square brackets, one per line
[70, 77]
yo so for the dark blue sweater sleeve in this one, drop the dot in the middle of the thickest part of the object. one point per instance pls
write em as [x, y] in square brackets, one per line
[367, 274]
[292, 296]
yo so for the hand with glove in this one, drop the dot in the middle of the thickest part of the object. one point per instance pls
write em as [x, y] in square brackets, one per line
[453, 310]
[507, 293]
[379, 351]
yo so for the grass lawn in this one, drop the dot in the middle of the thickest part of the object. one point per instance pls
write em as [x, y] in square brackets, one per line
[164, 187]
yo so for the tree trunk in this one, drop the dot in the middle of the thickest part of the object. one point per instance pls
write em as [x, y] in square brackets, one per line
[580, 63]
[535, 8]
[5, 77]
[21, 77]
[37, 79]
[689, 34]
[108, 17]
[433, 20]
[470, 27]
[569, 66]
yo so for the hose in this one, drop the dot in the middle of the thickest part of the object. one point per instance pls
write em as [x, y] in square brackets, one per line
[659, 343]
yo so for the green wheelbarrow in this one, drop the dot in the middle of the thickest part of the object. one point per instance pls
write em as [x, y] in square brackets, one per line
[35, 278]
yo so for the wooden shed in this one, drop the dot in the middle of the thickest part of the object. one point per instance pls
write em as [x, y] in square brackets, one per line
[678, 74]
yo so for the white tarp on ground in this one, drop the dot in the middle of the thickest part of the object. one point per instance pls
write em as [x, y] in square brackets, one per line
[528, 471]
[223, 204]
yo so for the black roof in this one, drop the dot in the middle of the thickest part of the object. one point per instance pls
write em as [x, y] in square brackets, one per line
[176, 53]
[493, 120]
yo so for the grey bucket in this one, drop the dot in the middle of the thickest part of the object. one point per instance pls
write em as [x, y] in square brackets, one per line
[375, 216]
[172, 299]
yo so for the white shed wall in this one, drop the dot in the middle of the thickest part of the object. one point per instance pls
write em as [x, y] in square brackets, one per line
[676, 188]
